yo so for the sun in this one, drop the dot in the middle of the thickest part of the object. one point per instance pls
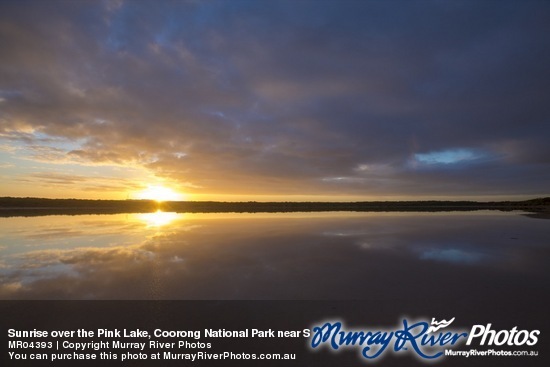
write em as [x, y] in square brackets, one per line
[159, 193]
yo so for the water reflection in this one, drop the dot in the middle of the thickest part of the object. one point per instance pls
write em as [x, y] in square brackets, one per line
[159, 218]
[286, 256]
[453, 255]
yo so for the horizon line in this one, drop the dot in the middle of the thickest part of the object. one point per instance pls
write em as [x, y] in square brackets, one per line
[543, 197]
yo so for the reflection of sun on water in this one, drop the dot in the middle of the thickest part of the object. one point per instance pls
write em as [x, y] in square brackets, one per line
[158, 219]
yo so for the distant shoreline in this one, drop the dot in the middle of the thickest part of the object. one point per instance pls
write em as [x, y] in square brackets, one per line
[10, 207]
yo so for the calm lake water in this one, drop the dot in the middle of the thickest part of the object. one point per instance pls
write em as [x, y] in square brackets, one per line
[327, 256]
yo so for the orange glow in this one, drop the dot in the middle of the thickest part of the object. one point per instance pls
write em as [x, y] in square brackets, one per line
[159, 193]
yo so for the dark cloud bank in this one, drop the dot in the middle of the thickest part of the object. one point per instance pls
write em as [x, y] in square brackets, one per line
[284, 97]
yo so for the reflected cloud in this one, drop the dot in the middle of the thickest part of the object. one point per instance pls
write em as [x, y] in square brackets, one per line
[55, 233]
[176, 259]
[456, 256]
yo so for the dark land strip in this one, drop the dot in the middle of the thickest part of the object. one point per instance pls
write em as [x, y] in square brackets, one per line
[9, 207]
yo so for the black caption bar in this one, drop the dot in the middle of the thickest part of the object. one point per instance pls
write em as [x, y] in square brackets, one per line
[208, 333]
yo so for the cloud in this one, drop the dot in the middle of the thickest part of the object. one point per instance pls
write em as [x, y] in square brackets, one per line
[274, 99]
[86, 183]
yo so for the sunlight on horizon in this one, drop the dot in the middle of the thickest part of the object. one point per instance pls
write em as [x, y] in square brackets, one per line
[159, 193]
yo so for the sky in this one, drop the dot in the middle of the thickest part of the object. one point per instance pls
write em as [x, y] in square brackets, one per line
[275, 100]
